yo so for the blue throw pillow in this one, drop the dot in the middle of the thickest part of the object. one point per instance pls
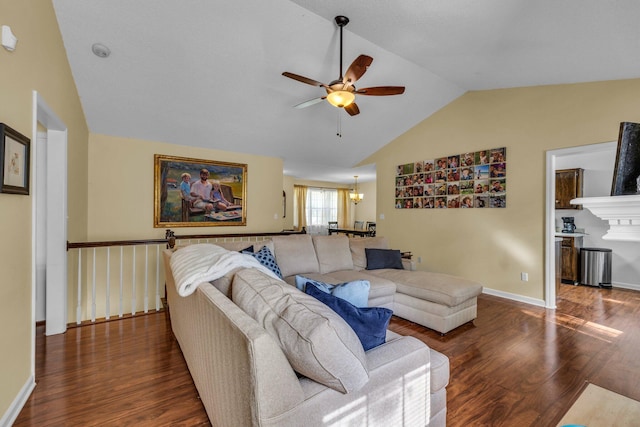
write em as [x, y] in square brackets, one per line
[369, 323]
[383, 258]
[356, 292]
[266, 258]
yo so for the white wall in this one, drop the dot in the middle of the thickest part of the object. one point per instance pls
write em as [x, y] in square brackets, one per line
[597, 180]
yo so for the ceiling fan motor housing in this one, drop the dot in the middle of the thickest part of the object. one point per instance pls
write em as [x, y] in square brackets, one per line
[341, 20]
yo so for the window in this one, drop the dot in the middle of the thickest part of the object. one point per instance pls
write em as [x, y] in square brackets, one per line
[322, 207]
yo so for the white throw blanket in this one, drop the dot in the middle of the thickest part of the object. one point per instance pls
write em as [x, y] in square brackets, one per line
[204, 262]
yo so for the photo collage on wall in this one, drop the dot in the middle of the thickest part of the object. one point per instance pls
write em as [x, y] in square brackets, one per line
[469, 180]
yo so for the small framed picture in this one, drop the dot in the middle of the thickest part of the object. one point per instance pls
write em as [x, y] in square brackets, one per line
[14, 156]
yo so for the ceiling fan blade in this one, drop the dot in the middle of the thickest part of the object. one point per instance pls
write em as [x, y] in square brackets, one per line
[357, 69]
[352, 109]
[310, 102]
[381, 90]
[303, 79]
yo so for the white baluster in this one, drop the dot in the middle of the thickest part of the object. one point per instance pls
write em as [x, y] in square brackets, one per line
[133, 284]
[79, 305]
[93, 288]
[158, 302]
[108, 302]
[146, 278]
[121, 308]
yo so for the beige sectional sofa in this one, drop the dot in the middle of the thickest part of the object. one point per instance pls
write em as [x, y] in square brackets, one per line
[252, 367]
[239, 355]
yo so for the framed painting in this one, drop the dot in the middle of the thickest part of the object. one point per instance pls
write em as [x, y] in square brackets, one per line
[14, 156]
[199, 193]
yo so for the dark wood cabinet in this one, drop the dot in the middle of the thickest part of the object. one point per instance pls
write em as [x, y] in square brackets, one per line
[568, 186]
[570, 261]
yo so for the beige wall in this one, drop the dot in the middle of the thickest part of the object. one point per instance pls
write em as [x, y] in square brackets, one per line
[495, 245]
[287, 185]
[121, 182]
[121, 200]
[366, 209]
[38, 63]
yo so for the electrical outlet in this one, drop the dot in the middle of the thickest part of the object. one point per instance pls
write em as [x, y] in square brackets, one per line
[524, 277]
[419, 260]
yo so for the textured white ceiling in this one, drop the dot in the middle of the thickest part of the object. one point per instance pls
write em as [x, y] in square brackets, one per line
[208, 72]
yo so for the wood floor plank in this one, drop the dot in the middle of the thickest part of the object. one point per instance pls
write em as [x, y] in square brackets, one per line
[516, 364]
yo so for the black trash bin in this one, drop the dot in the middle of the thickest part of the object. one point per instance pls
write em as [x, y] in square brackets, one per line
[595, 267]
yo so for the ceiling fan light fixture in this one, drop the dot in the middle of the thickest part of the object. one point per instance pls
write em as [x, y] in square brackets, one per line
[341, 98]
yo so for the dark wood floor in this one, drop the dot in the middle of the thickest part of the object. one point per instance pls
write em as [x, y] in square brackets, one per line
[516, 365]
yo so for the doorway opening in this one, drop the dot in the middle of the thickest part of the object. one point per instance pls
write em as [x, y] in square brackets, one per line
[553, 158]
[49, 219]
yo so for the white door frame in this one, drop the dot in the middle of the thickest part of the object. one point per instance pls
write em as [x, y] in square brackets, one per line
[56, 218]
[550, 213]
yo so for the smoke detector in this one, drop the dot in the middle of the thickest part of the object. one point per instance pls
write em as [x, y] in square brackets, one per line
[100, 50]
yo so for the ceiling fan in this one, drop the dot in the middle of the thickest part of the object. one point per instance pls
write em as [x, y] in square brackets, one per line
[342, 93]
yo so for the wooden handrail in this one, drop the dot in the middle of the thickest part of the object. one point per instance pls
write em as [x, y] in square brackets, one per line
[170, 238]
[81, 245]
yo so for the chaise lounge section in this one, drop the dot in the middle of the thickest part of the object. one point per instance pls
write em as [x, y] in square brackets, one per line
[438, 301]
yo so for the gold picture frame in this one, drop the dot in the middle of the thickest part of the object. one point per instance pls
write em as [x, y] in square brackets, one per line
[180, 203]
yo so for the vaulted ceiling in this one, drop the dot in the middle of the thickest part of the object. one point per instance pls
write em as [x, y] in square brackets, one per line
[208, 73]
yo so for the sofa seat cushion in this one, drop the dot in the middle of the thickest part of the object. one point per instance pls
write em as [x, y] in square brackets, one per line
[295, 255]
[318, 343]
[379, 286]
[437, 287]
[439, 370]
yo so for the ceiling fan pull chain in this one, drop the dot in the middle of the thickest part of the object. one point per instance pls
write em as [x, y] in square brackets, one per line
[339, 132]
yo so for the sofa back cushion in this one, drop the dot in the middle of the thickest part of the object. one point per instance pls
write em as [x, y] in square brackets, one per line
[333, 253]
[295, 255]
[358, 246]
[240, 246]
[318, 343]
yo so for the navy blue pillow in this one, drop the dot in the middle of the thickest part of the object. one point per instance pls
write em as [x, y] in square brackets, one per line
[369, 323]
[383, 258]
[266, 258]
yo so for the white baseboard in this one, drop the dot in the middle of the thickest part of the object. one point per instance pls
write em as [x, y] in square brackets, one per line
[539, 302]
[18, 403]
[626, 286]
[514, 297]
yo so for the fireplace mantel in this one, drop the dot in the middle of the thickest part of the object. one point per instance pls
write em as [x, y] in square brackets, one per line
[622, 213]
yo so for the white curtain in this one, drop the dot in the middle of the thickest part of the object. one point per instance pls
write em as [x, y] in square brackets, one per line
[322, 207]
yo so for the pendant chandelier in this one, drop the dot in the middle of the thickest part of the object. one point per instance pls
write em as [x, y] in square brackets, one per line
[355, 196]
